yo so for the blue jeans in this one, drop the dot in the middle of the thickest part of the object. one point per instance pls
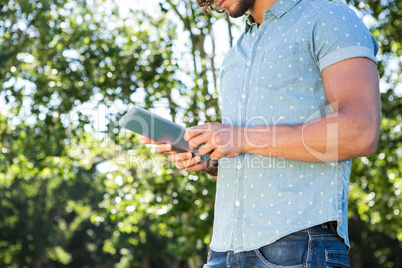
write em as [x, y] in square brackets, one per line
[315, 247]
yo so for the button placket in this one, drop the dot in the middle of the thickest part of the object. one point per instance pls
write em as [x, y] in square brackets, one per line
[249, 65]
[238, 202]
[238, 209]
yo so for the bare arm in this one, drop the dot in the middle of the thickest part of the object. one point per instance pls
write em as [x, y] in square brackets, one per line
[350, 131]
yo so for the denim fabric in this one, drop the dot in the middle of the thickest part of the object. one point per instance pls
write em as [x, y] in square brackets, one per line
[316, 247]
[272, 76]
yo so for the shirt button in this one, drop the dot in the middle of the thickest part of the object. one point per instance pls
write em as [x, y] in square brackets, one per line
[253, 34]
[248, 63]
[238, 167]
[237, 203]
[243, 96]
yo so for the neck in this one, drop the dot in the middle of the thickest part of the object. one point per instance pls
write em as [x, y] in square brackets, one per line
[257, 11]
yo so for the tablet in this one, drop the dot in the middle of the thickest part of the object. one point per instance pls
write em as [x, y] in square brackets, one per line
[157, 128]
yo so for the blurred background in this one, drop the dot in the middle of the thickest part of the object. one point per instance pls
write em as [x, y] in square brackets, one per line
[76, 190]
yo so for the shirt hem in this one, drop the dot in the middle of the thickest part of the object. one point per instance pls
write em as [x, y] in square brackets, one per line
[338, 220]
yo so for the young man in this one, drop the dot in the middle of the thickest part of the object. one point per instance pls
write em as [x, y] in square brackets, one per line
[300, 98]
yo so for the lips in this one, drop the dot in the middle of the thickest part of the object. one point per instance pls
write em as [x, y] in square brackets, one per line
[220, 3]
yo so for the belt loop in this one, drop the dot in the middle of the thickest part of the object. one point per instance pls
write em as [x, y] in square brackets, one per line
[334, 225]
[308, 247]
[330, 226]
[309, 233]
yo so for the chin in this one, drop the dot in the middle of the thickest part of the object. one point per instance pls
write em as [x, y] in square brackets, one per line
[235, 15]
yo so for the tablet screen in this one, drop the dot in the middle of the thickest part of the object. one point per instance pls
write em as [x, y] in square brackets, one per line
[157, 128]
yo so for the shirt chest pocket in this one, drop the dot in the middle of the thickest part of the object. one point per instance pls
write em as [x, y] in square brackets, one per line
[279, 67]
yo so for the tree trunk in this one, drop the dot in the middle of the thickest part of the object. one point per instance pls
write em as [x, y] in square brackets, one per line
[146, 261]
[192, 262]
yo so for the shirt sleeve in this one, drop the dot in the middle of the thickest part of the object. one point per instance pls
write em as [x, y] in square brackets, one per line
[338, 34]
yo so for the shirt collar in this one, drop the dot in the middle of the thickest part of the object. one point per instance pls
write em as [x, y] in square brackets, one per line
[278, 9]
[249, 23]
[282, 6]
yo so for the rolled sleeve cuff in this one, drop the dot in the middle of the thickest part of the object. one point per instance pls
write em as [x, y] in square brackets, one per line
[346, 53]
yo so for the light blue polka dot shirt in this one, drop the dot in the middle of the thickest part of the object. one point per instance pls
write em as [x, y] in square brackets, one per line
[272, 75]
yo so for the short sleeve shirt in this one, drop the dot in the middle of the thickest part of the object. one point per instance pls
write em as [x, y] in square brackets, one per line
[272, 76]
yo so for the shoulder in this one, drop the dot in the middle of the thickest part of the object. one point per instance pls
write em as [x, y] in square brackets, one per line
[325, 9]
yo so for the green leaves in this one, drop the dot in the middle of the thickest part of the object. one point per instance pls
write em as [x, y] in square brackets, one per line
[78, 191]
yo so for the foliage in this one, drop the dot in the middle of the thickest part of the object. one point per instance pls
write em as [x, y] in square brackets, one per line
[375, 200]
[78, 191]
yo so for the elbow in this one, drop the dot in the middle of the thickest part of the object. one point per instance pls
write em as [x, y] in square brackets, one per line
[369, 148]
[368, 143]
[366, 134]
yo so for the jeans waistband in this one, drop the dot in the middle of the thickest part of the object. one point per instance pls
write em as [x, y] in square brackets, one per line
[325, 228]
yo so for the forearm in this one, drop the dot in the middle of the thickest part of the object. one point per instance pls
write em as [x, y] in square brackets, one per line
[336, 136]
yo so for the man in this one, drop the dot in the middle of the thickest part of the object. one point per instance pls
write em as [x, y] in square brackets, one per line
[300, 98]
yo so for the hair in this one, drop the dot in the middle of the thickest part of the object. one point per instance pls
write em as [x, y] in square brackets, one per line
[209, 5]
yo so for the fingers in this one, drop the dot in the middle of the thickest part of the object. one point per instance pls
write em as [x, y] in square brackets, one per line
[195, 142]
[164, 148]
[192, 165]
[195, 131]
[183, 161]
[145, 140]
[182, 164]
[186, 161]
[159, 148]
[180, 157]
[194, 168]
[207, 148]
[217, 154]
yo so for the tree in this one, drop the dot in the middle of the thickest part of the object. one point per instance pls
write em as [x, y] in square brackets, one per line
[56, 56]
[375, 201]
[78, 191]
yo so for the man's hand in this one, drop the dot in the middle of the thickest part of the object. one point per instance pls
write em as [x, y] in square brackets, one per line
[183, 161]
[217, 140]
